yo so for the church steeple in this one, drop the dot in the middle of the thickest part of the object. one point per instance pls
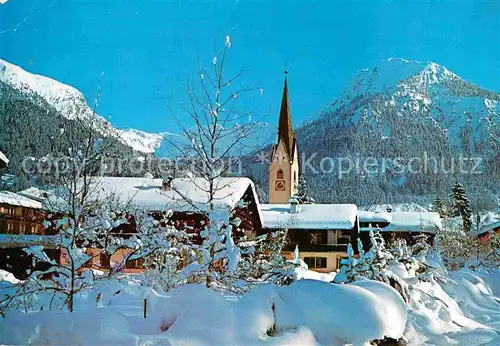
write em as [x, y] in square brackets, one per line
[284, 166]
[285, 129]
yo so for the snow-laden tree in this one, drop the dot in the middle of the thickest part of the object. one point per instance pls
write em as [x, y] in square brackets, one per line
[370, 265]
[439, 208]
[268, 265]
[82, 240]
[302, 195]
[81, 217]
[217, 134]
[460, 206]
[165, 249]
[459, 250]
[396, 265]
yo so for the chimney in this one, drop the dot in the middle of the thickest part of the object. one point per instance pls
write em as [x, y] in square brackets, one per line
[294, 205]
[167, 184]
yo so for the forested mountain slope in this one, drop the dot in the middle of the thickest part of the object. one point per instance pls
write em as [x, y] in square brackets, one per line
[387, 123]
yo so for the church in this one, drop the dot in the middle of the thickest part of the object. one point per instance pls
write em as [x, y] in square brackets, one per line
[321, 231]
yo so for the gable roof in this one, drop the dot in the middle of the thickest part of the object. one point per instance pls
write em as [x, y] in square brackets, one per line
[374, 217]
[489, 222]
[309, 216]
[14, 199]
[414, 221]
[186, 195]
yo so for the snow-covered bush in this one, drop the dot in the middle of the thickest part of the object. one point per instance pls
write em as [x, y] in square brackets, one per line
[165, 249]
[268, 265]
[393, 266]
[459, 250]
[372, 265]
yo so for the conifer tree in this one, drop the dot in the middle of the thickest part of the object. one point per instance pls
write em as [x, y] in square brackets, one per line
[302, 193]
[460, 206]
[439, 207]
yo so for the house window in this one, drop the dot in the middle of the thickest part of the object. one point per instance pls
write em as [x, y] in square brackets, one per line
[339, 260]
[294, 176]
[10, 228]
[134, 264]
[315, 262]
[338, 237]
[280, 174]
[22, 229]
[105, 260]
[343, 237]
[318, 238]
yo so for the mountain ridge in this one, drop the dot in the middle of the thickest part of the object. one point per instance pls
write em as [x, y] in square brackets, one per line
[417, 88]
[399, 107]
[71, 103]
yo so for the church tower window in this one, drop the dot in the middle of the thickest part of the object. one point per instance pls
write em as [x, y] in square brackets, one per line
[280, 174]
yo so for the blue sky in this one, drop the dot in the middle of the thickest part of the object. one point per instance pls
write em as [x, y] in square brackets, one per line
[148, 50]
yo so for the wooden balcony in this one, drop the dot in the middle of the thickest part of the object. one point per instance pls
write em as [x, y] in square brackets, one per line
[318, 247]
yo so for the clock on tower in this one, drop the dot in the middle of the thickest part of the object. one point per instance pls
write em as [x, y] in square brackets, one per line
[280, 185]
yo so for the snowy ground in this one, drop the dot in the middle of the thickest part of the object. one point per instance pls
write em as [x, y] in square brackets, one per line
[465, 311]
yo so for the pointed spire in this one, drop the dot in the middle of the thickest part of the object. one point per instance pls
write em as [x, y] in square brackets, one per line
[285, 129]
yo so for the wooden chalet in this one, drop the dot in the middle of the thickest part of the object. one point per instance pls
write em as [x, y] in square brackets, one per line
[488, 224]
[21, 225]
[22, 215]
[409, 225]
[321, 231]
[188, 199]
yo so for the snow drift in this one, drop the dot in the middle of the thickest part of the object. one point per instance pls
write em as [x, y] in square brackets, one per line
[307, 312]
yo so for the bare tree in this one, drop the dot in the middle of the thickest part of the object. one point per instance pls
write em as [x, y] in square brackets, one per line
[217, 134]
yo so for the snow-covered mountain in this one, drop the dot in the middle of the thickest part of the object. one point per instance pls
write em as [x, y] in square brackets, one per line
[141, 141]
[467, 115]
[72, 104]
[404, 109]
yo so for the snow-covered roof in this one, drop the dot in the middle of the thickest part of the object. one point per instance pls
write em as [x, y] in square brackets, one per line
[15, 199]
[489, 222]
[490, 227]
[396, 207]
[309, 216]
[4, 158]
[411, 221]
[24, 240]
[187, 194]
[35, 193]
[370, 216]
